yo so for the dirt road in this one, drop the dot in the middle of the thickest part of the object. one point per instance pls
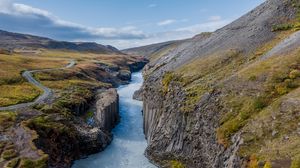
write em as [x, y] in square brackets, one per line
[28, 75]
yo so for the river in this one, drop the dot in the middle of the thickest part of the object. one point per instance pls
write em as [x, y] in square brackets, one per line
[128, 146]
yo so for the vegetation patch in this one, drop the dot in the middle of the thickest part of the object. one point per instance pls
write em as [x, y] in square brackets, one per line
[193, 96]
[283, 27]
[47, 124]
[168, 78]
[12, 163]
[253, 162]
[8, 154]
[264, 48]
[296, 162]
[13, 88]
[39, 163]
[176, 164]
[202, 75]
[242, 109]
[295, 25]
[268, 165]
[280, 79]
[18, 93]
[7, 119]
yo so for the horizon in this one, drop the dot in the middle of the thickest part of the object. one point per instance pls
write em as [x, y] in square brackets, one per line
[126, 27]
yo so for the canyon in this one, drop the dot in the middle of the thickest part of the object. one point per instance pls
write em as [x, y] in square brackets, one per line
[222, 99]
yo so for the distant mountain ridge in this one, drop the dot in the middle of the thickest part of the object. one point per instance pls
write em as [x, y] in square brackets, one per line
[10, 41]
[148, 50]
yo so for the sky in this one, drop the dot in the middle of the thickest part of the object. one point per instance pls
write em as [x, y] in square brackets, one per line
[121, 23]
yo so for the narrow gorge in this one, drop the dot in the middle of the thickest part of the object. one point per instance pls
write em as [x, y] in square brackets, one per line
[128, 145]
[224, 92]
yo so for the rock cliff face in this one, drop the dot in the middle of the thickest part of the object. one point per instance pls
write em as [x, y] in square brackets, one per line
[204, 97]
[73, 141]
[76, 139]
[107, 106]
[175, 135]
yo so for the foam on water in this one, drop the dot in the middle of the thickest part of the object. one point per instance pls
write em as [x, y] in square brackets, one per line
[128, 146]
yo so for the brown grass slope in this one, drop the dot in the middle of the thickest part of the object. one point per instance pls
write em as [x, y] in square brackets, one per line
[11, 41]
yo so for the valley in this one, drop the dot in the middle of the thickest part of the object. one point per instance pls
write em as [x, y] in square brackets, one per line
[228, 98]
[43, 98]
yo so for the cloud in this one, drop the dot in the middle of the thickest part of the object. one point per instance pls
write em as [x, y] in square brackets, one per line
[152, 5]
[28, 10]
[177, 34]
[26, 19]
[166, 22]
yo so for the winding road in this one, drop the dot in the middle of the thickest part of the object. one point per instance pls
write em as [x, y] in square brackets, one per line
[28, 75]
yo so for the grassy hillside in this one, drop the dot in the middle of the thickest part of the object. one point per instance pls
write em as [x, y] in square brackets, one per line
[259, 98]
[14, 89]
[257, 95]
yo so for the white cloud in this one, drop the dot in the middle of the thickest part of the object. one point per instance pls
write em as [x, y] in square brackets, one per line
[26, 19]
[166, 22]
[152, 5]
[177, 34]
[28, 10]
[5, 6]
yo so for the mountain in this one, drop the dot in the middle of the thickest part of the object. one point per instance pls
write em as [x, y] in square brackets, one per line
[229, 98]
[11, 41]
[149, 50]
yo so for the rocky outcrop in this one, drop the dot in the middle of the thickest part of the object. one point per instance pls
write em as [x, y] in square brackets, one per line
[189, 138]
[138, 65]
[107, 109]
[124, 75]
[138, 95]
[69, 139]
[92, 140]
[175, 135]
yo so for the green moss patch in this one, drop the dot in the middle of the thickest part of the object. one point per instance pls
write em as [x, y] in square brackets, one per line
[296, 162]
[9, 154]
[46, 124]
[168, 78]
[12, 163]
[39, 163]
[176, 164]
[295, 25]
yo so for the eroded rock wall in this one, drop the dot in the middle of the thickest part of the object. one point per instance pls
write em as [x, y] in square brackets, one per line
[107, 109]
[188, 138]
